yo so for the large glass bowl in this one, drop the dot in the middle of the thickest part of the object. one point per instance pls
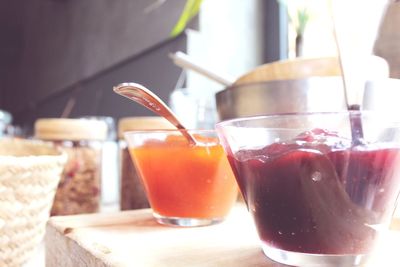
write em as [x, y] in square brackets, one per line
[317, 195]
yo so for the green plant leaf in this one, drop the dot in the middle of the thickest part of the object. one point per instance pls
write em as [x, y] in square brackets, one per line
[303, 17]
[190, 10]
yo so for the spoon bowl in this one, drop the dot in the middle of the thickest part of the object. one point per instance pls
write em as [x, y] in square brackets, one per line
[148, 99]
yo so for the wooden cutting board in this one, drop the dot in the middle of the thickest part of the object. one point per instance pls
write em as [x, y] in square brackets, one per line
[134, 238]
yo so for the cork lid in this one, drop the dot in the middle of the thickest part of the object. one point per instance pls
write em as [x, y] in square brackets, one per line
[70, 129]
[142, 123]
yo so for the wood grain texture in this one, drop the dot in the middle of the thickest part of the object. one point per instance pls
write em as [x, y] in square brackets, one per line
[298, 68]
[133, 238]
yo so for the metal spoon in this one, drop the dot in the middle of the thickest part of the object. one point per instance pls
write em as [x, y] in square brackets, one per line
[184, 61]
[148, 99]
[356, 126]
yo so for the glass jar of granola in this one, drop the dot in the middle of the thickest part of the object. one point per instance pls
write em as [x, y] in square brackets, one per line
[132, 191]
[80, 185]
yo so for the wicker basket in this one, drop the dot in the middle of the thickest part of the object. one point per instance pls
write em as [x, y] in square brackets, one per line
[29, 175]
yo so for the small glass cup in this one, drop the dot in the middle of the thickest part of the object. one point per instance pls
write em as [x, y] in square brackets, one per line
[186, 185]
[317, 197]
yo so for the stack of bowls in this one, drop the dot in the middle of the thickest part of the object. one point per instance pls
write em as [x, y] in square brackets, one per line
[292, 86]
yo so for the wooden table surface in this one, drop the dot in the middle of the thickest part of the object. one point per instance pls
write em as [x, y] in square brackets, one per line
[134, 238]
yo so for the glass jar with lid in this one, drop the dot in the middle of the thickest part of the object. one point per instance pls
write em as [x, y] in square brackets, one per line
[79, 190]
[110, 182]
[132, 191]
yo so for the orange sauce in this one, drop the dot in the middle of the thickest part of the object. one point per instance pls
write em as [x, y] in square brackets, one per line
[186, 181]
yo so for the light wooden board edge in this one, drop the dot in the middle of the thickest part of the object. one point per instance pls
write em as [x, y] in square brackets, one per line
[66, 223]
[62, 251]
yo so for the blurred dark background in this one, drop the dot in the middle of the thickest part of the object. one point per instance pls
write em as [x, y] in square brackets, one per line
[62, 57]
[65, 56]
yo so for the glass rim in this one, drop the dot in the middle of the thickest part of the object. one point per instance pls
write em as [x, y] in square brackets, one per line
[160, 131]
[234, 121]
[213, 139]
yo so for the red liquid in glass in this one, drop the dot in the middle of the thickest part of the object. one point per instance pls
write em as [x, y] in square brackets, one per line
[319, 194]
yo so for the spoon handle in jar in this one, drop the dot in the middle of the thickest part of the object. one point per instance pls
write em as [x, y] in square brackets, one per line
[148, 99]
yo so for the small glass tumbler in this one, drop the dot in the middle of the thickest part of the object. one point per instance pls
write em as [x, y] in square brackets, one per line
[186, 185]
[317, 196]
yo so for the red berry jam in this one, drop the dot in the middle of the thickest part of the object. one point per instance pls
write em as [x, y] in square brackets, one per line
[319, 193]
